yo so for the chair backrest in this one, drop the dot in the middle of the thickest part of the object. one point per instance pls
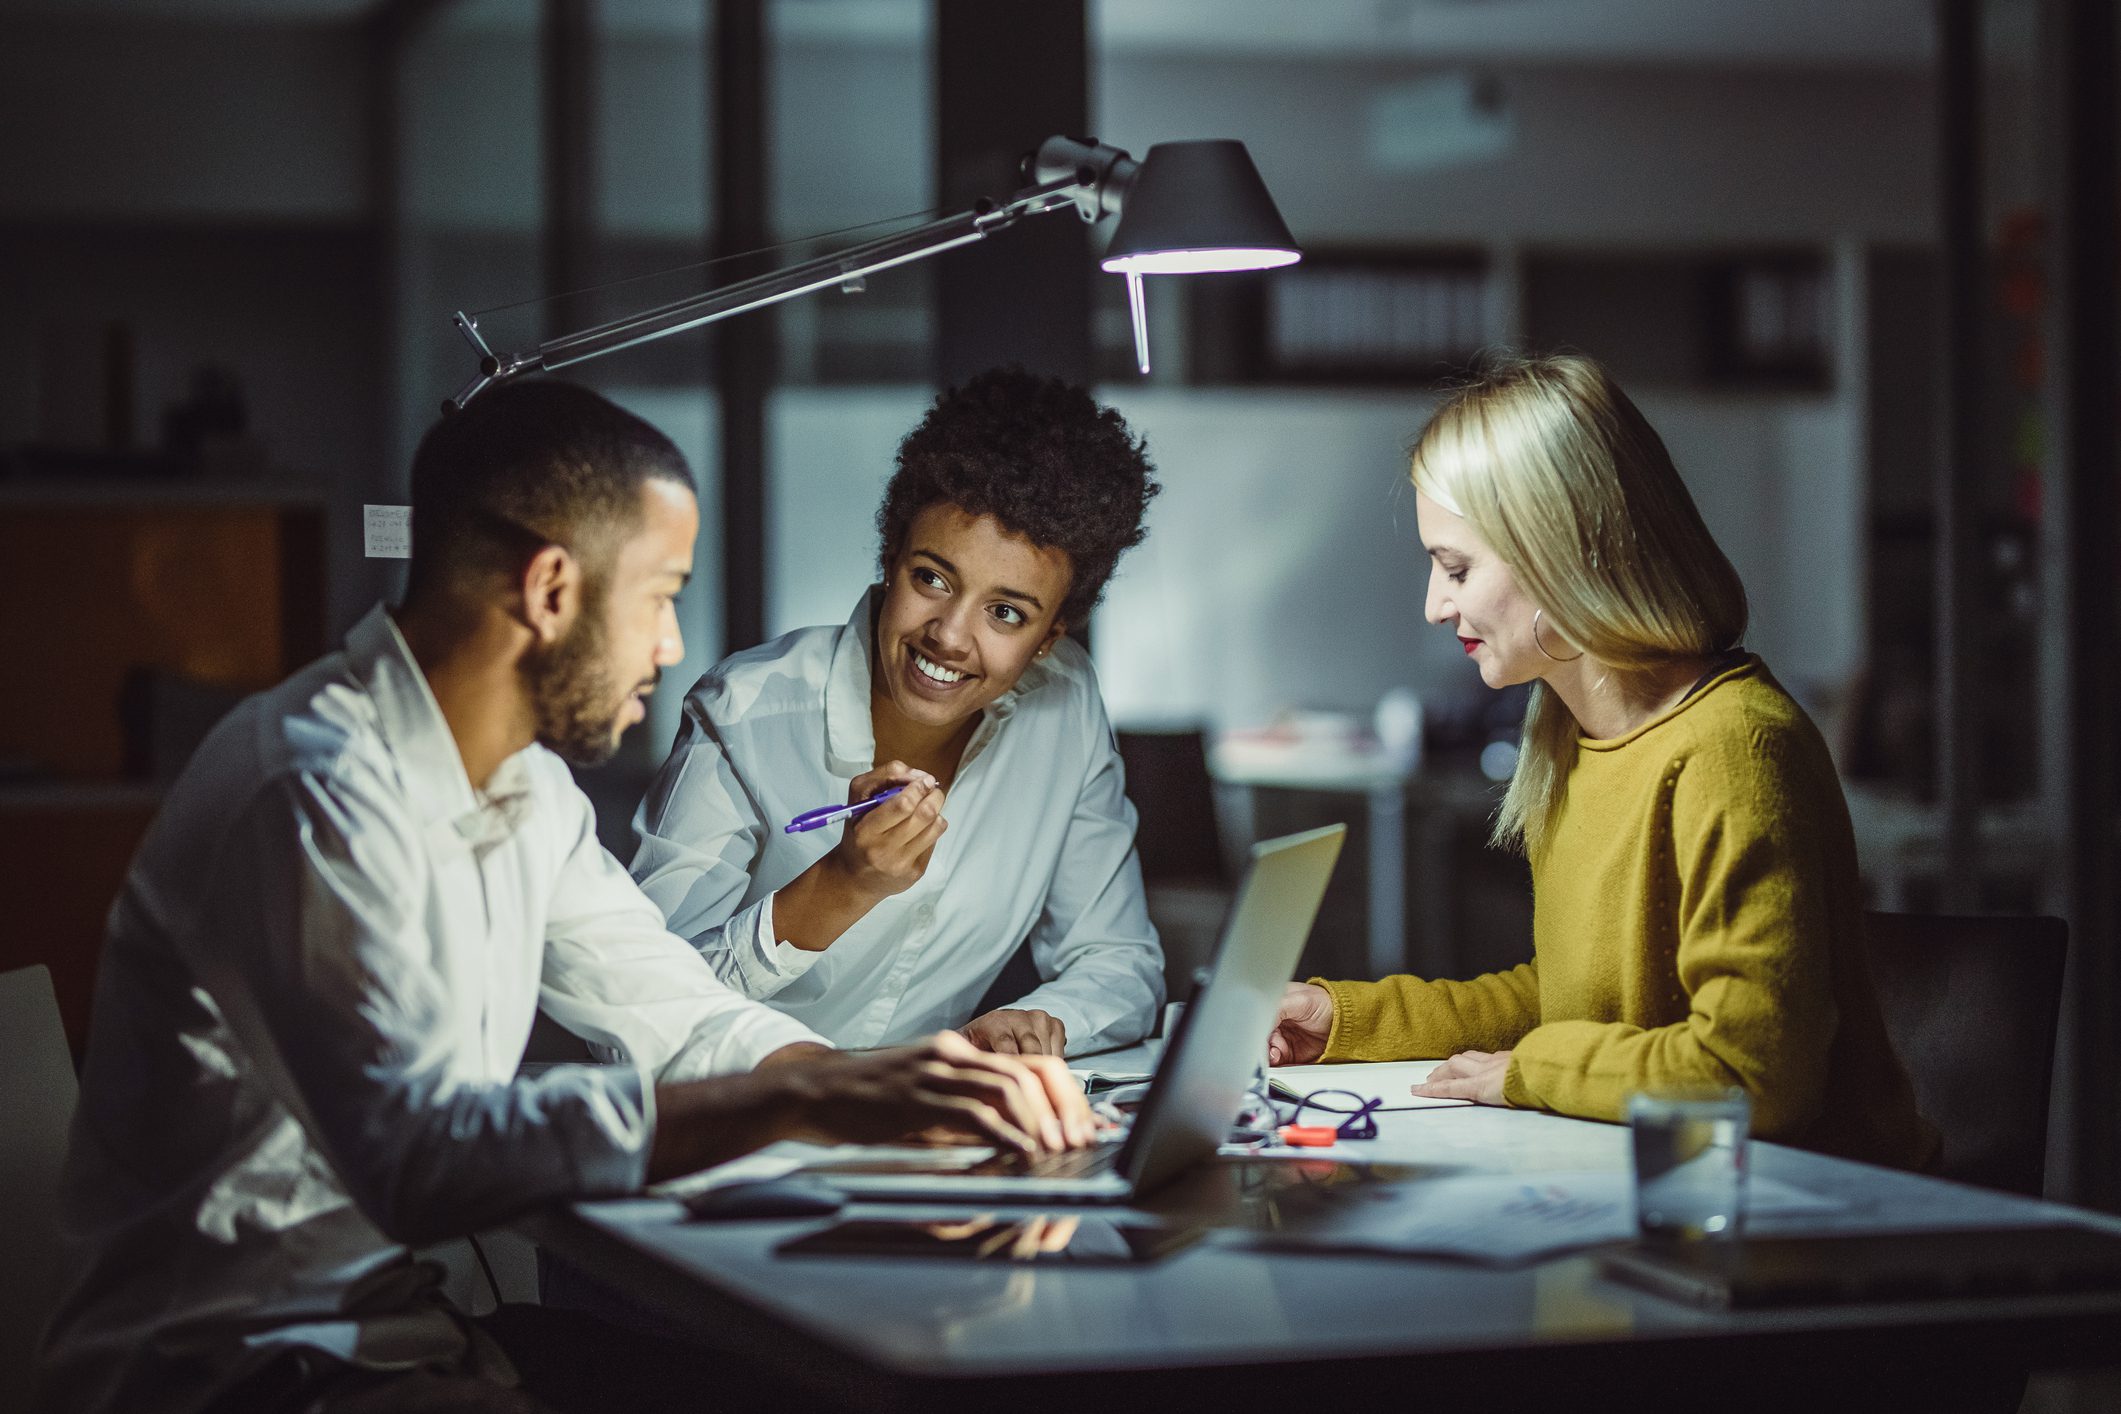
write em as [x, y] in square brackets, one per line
[1167, 779]
[1971, 1005]
[37, 1092]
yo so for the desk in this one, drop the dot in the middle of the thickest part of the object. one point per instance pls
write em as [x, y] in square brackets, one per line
[1442, 802]
[1220, 1327]
[1340, 767]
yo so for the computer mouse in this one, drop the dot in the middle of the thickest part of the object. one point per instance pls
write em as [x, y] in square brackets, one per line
[792, 1196]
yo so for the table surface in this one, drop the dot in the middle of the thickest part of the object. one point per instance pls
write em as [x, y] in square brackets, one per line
[1225, 1304]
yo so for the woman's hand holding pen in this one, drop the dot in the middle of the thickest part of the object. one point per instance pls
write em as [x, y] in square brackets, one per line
[886, 851]
[883, 851]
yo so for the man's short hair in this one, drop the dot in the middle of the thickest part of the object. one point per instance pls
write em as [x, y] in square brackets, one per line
[527, 465]
[1040, 456]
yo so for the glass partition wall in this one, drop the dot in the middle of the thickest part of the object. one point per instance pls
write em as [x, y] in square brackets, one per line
[554, 166]
[852, 142]
[1746, 222]
[552, 169]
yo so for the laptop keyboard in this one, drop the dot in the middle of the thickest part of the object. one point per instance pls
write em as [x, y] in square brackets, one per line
[1069, 1163]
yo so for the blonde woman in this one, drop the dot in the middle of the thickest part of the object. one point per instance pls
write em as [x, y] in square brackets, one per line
[1697, 912]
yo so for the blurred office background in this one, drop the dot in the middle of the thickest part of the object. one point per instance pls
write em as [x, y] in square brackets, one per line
[1855, 258]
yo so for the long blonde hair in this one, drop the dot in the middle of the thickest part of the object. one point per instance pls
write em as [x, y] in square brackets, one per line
[1554, 467]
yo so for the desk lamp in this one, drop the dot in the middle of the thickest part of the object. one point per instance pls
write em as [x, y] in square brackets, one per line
[1186, 208]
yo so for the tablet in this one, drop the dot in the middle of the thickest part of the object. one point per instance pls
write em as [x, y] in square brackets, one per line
[1808, 1271]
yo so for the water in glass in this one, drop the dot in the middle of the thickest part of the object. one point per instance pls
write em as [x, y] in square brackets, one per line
[1689, 1162]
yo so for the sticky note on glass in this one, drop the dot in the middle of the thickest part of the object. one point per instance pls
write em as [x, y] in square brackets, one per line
[386, 532]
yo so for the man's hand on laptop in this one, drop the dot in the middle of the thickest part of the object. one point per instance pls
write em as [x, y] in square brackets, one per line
[1014, 1031]
[941, 1089]
[1301, 1027]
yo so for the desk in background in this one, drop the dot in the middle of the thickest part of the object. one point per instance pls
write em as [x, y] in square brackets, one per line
[1339, 767]
[1405, 886]
[1901, 845]
[138, 613]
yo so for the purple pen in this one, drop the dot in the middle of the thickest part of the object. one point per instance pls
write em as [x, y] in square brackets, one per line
[825, 815]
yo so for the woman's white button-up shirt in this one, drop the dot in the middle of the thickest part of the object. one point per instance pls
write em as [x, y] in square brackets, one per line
[1040, 847]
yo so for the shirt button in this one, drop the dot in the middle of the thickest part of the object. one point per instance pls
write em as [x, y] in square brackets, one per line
[924, 915]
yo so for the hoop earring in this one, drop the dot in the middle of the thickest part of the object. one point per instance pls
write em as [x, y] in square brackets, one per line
[1542, 647]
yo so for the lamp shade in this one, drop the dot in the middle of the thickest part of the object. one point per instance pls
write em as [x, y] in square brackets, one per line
[1196, 207]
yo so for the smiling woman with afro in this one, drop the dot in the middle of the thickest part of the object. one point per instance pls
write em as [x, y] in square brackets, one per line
[1042, 458]
[953, 688]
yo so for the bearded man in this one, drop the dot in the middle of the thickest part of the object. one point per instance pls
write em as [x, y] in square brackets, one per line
[324, 964]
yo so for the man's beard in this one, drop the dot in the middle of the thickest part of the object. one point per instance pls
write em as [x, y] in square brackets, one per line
[572, 694]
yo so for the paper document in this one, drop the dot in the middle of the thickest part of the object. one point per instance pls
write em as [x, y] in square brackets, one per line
[1493, 1217]
[1389, 1080]
[1096, 1080]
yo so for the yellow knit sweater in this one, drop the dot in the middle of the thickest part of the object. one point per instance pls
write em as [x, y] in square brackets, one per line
[1696, 919]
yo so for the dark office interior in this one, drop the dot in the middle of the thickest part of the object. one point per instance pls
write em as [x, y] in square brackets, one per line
[1858, 262]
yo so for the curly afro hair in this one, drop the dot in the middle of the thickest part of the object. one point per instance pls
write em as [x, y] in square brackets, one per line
[1040, 456]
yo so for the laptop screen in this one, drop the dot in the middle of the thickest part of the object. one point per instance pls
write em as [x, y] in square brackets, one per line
[1222, 1035]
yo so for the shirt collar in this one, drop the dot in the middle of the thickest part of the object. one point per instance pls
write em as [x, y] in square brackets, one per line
[850, 734]
[413, 727]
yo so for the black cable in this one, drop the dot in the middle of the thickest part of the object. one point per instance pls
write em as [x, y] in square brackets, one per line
[487, 1267]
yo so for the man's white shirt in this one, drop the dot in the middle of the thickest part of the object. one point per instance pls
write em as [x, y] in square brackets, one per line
[315, 994]
[1040, 845]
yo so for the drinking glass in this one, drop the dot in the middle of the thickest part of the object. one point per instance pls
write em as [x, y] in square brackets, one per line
[1689, 1161]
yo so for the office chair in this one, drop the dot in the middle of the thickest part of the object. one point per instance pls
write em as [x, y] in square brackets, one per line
[1958, 994]
[37, 1094]
[1184, 873]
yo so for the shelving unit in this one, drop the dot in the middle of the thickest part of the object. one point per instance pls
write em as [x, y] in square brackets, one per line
[217, 589]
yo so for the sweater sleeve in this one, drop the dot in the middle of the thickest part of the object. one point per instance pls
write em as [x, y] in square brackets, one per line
[1754, 975]
[1409, 1018]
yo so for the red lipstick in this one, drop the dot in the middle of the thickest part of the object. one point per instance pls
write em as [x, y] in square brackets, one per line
[1469, 644]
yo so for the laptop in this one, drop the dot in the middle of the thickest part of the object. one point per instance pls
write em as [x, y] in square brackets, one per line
[1199, 1087]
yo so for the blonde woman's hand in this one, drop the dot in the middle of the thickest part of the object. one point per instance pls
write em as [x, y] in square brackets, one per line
[1301, 1026]
[1469, 1075]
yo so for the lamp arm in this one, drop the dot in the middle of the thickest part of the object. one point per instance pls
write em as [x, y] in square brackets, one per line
[948, 233]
